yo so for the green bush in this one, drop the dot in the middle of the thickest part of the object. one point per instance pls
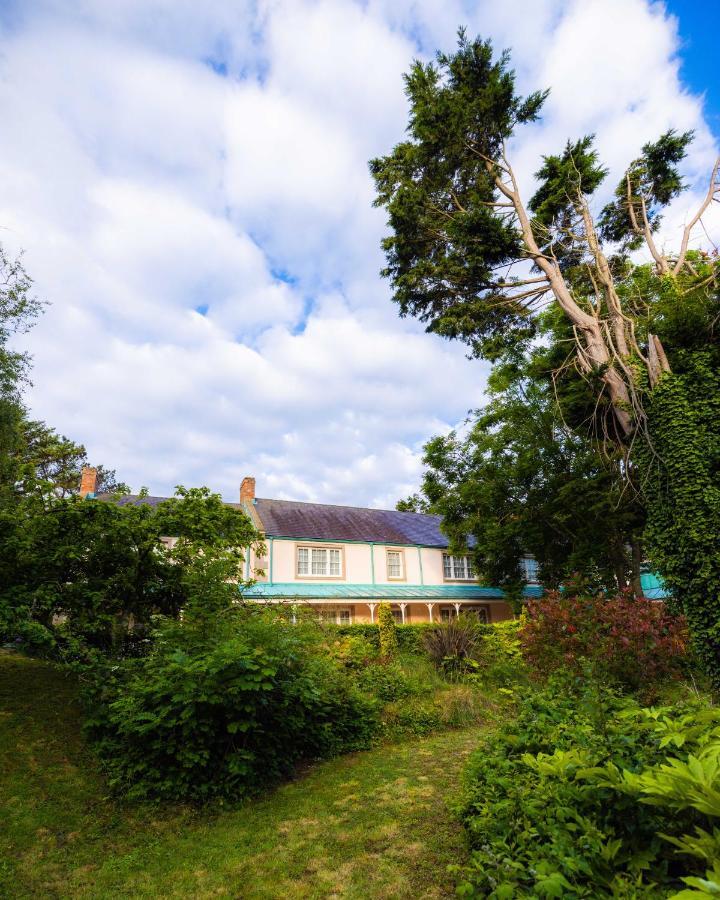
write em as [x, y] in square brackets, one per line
[223, 705]
[386, 682]
[574, 798]
[354, 651]
[410, 637]
[387, 632]
[452, 645]
[498, 654]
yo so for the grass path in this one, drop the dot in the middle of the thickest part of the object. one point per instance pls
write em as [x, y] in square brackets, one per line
[370, 825]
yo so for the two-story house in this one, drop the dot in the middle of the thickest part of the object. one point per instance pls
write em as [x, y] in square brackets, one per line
[345, 560]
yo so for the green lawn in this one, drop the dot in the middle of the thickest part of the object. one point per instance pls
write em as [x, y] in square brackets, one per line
[372, 824]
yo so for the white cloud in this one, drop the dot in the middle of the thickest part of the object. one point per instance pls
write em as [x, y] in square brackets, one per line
[190, 183]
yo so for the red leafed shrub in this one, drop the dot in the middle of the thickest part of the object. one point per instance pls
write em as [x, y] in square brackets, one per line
[631, 642]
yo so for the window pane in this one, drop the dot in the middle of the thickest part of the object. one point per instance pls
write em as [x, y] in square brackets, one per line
[530, 568]
[445, 615]
[470, 567]
[447, 565]
[302, 561]
[458, 566]
[319, 562]
[394, 565]
[343, 615]
[334, 562]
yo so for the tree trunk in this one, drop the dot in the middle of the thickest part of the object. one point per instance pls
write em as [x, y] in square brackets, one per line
[636, 550]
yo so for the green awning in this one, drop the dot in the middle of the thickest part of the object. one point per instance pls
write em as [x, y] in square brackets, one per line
[422, 592]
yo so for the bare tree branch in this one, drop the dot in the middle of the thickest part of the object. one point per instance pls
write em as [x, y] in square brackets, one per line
[713, 189]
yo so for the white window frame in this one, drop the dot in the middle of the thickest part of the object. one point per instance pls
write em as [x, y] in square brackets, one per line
[524, 560]
[401, 559]
[308, 562]
[341, 615]
[458, 564]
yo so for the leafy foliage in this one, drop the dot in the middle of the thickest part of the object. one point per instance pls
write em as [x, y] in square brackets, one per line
[650, 183]
[385, 682]
[630, 642]
[684, 497]
[18, 311]
[556, 802]
[409, 637]
[87, 573]
[522, 480]
[468, 257]
[451, 645]
[387, 632]
[224, 711]
[448, 240]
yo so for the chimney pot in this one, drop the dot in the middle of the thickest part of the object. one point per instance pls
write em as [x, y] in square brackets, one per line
[247, 490]
[88, 481]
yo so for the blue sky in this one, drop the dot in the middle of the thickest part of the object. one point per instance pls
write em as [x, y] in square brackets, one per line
[189, 183]
[698, 53]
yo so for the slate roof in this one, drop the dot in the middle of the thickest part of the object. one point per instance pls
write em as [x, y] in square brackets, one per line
[324, 522]
[137, 500]
[318, 591]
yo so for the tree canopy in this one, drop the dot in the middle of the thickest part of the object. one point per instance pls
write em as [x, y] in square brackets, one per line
[632, 345]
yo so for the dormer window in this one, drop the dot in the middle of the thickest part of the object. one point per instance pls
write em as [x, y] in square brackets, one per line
[457, 568]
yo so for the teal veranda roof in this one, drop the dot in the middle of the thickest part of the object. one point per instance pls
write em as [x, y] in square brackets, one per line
[653, 587]
[424, 592]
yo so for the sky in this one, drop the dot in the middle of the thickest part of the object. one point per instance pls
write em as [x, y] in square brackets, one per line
[189, 184]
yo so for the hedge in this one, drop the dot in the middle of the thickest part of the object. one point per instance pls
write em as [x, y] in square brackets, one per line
[410, 637]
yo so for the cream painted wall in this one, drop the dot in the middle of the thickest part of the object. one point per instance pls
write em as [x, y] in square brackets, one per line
[358, 567]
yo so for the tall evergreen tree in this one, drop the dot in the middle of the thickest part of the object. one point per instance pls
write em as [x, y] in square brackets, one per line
[475, 260]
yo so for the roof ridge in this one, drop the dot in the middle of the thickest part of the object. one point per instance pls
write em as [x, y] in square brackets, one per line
[347, 506]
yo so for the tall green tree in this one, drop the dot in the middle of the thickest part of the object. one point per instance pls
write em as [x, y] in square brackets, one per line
[51, 465]
[523, 481]
[18, 310]
[90, 572]
[474, 259]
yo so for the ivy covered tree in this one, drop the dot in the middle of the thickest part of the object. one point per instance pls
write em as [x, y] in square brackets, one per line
[475, 260]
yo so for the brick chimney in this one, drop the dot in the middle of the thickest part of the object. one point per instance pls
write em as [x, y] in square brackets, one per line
[88, 481]
[247, 490]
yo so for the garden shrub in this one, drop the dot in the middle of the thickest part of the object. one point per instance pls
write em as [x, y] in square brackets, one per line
[410, 636]
[586, 794]
[354, 651]
[633, 643]
[387, 632]
[498, 654]
[223, 705]
[452, 645]
[386, 682]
